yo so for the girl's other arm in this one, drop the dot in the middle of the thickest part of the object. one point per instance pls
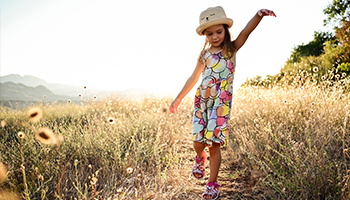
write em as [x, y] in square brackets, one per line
[252, 24]
[191, 81]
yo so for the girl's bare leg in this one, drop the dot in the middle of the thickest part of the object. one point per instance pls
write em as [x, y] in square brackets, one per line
[199, 148]
[215, 161]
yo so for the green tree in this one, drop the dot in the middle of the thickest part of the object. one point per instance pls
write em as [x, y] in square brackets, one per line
[313, 48]
[338, 14]
[337, 11]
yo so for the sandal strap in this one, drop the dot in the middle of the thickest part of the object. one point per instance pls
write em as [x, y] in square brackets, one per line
[212, 189]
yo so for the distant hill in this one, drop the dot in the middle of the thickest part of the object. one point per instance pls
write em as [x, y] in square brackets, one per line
[56, 88]
[31, 88]
[19, 91]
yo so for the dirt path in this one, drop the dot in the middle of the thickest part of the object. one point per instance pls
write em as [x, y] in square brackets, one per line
[236, 180]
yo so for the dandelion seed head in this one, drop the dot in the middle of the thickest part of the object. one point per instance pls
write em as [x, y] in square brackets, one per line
[35, 114]
[3, 172]
[111, 120]
[46, 136]
[129, 170]
[20, 134]
[8, 195]
[3, 123]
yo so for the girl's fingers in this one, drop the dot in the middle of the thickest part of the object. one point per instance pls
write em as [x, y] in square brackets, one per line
[265, 12]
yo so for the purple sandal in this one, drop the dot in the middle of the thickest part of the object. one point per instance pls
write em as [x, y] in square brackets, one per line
[212, 190]
[199, 167]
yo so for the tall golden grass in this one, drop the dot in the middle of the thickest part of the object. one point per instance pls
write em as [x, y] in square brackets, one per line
[296, 136]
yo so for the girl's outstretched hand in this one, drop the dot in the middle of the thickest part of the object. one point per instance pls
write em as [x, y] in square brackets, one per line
[265, 12]
[174, 105]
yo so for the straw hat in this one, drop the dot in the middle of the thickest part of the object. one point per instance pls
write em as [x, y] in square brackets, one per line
[212, 16]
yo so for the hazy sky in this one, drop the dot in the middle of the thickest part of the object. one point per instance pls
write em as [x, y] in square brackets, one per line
[118, 45]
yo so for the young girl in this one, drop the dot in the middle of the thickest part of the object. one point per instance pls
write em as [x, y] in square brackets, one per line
[212, 104]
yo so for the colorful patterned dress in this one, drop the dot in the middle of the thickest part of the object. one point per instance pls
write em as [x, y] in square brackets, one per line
[212, 104]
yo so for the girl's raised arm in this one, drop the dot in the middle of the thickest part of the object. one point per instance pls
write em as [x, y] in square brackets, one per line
[191, 81]
[252, 24]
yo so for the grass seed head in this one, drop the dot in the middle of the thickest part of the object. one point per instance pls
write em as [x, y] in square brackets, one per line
[46, 136]
[35, 114]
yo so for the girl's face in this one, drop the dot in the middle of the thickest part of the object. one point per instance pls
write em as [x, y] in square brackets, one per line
[215, 35]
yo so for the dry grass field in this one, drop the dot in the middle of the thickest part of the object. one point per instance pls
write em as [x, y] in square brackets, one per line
[286, 142]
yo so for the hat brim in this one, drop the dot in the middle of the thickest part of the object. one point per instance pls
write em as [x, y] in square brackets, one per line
[204, 26]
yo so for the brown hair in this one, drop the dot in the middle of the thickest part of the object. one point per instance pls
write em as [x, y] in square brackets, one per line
[228, 45]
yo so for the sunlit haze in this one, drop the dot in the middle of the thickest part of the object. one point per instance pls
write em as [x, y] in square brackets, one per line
[118, 45]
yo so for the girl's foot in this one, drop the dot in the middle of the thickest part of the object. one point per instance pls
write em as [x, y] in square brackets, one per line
[199, 166]
[212, 191]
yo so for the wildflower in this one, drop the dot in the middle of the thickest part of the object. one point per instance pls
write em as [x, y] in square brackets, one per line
[312, 103]
[345, 150]
[119, 190]
[35, 114]
[285, 101]
[95, 97]
[94, 181]
[3, 123]
[164, 110]
[20, 134]
[40, 177]
[46, 136]
[315, 69]
[69, 101]
[343, 74]
[111, 120]
[129, 170]
[79, 95]
[90, 166]
[84, 87]
[3, 173]
[337, 76]
[44, 96]
[323, 78]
